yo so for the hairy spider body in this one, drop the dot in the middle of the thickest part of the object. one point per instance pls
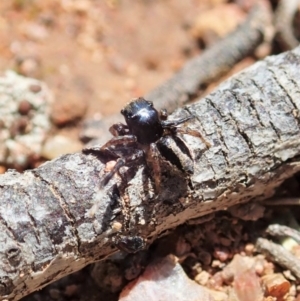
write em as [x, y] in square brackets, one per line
[146, 137]
[143, 121]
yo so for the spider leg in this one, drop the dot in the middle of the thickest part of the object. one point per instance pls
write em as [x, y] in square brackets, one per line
[120, 162]
[117, 147]
[110, 149]
[119, 129]
[152, 158]
[193, 133]
[178, 138]
[163, 114]
[122, 149]
[173, 150]
[173, 123]
[130, 160]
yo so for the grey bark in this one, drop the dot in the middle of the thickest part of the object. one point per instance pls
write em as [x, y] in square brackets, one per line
[283, 231]
[280, 255]
[56, 219]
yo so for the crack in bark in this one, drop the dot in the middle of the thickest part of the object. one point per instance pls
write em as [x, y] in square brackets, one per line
[31, 217]
[251, 105]
[64, 206]
[220, 135]
[8, 228]
[243, 135]
[297, 87]
[270, 121]
[284, 91]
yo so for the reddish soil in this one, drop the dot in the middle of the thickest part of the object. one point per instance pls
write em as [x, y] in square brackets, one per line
[97, 55]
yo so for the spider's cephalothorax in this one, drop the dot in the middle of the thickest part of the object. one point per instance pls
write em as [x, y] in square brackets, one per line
[143, 121]
[146, 137]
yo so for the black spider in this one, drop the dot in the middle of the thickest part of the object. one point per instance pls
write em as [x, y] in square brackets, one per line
[146, 137]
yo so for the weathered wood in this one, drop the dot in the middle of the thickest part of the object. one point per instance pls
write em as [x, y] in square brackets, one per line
[56, 219]
[280, 255]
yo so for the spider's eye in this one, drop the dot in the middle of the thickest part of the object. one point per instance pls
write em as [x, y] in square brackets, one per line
[126, 113]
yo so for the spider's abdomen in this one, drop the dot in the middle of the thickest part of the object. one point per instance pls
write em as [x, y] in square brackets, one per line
[143, 121]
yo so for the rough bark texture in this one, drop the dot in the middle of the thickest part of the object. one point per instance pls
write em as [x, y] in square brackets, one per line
[56, 219]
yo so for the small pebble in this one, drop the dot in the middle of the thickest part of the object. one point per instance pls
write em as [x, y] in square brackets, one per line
[249, 248]
[71, 290]
[2, 169]
[202, 278]
[55, 293]
[222, 254]
[182, 247]
[59, 145]
[276, 285]
[29, 67]
[24, 107]
[217, 264]
[226, 242]
[35, 88]
[205, 257]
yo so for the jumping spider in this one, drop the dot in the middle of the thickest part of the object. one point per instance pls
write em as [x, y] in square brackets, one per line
[146, 136]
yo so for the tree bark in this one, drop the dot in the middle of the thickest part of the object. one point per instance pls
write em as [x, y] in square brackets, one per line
[56, 219]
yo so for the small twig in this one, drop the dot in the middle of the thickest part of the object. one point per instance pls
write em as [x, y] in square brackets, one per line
[280, 255]
[285, 201]
[284, 16]
[280, 230]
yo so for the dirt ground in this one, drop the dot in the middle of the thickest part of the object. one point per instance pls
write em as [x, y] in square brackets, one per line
[98, 55]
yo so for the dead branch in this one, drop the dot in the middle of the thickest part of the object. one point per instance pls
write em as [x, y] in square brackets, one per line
[280, 255]
[55, 219]
[284, 17]
[281, 230]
